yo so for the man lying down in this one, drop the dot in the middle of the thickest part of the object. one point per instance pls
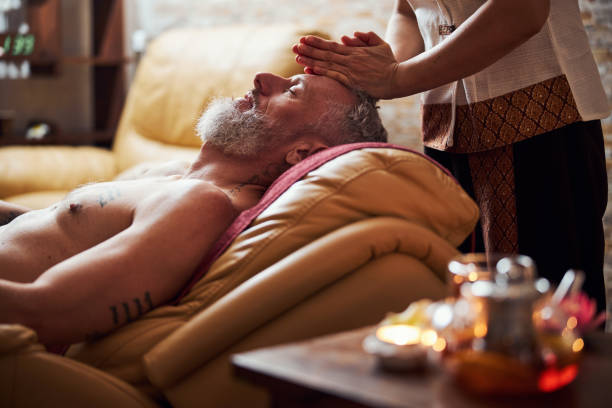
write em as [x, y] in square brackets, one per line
[110, 252]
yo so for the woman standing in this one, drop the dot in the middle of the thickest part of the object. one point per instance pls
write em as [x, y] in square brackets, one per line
[511, 104]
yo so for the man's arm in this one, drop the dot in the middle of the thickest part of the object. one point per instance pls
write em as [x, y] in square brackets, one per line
[9, 211]
[403, 33]
[123, 277]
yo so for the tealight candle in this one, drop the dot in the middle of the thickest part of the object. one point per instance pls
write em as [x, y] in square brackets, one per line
[399, 346]
[399, 334]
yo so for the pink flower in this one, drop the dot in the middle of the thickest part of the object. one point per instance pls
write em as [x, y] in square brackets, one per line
[580, 306]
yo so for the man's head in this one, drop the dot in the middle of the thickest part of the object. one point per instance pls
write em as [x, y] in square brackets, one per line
[300, 115]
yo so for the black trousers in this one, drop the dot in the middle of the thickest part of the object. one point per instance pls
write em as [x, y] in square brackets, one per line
[560, 196]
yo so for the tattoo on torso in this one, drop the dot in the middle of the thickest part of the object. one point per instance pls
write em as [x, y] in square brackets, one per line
[110, 194]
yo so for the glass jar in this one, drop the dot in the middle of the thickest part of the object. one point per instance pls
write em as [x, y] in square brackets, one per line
[470, 267]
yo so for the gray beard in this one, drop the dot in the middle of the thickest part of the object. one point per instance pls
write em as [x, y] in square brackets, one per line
[233, 132]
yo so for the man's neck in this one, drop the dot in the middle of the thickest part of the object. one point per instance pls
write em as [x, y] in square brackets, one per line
[230, 172]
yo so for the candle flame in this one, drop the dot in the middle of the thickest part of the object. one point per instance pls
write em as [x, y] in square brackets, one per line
[399, 334]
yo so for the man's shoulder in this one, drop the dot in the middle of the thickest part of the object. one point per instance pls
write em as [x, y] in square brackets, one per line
[189, 198]
[200, 193]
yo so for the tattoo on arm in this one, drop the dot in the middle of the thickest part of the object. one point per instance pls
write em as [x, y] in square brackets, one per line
[8, 217]
[128, 311]
[109, 195]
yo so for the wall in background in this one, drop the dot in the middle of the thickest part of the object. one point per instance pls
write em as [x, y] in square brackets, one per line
[597, 19]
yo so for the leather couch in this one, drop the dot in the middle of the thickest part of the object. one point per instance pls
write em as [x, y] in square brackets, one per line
[339, 240]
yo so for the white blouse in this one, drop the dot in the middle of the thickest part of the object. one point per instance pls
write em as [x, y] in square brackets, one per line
[554, 71]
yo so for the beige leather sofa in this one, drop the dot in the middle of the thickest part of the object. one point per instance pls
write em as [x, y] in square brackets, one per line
[351, 238]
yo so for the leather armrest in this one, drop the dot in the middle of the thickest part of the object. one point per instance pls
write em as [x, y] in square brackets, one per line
[32, 377]
[16, 338]
[25, 169]
[287, 283]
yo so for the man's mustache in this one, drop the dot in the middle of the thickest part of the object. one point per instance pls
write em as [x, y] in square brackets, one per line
[254, 95]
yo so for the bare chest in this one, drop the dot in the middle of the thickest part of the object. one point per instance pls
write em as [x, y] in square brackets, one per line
[98, 211]
[91, 214]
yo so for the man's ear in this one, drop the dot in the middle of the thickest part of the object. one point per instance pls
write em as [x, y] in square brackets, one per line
[302, 149]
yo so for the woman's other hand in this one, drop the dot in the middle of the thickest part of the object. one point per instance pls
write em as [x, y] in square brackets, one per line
[364, 62]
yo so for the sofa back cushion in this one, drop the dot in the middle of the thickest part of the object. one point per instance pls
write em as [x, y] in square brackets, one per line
[182, 71]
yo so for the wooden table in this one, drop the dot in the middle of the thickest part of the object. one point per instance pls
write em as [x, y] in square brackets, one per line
[334, 371]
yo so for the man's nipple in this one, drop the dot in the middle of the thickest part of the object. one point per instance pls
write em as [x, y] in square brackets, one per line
[75, 207]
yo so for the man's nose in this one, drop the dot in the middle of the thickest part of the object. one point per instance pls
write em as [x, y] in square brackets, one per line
[267, 83]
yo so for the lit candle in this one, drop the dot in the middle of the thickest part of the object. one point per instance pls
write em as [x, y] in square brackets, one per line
[400, 346]
[399, 334]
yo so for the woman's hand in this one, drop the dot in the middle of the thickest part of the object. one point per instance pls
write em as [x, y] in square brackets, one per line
[364, 62]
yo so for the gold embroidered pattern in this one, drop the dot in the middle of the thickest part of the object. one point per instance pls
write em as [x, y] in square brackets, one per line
[492, 174]
[435, 124]
[506, 119]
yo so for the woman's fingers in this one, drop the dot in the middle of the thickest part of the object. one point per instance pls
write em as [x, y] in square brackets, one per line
[318, 54]
[320, 43]
[353, 42]
[330, 69]
[362, 36]
[313, 64]
[370, 38]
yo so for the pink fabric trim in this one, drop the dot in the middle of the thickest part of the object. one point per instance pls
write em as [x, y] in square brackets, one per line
[286, 180]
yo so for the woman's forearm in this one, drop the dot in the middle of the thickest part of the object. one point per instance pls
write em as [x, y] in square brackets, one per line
[497, 28]
[403, 33]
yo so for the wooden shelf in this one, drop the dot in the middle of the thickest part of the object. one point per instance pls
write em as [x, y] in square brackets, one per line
[32, 60]
[45, 23]
[88, 138]
[97, 60]
[108, 64]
